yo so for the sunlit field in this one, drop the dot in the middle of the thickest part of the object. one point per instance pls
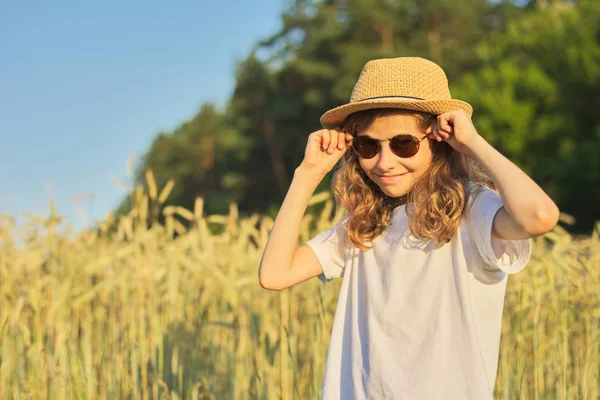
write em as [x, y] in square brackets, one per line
[138, 309]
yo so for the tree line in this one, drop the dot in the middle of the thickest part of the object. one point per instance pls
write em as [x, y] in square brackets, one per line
[531, 70]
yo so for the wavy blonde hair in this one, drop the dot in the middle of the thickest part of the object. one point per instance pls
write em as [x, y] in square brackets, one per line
[440, 192]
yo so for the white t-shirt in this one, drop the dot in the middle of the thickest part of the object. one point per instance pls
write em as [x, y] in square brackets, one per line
[416, 320]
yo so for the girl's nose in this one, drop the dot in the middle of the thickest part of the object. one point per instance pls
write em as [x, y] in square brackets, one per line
[387, 159]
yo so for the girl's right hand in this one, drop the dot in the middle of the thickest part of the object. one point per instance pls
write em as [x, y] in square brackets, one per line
[324, 149]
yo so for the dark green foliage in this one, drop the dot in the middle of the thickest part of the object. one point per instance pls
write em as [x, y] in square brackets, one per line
[530, 69]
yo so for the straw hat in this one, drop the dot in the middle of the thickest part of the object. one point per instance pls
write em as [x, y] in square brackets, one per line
[411, 83]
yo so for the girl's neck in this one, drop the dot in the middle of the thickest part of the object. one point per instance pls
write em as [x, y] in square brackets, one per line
[401, 200]
[396, 202]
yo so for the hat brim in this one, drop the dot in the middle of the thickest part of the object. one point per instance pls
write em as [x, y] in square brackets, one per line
[335, 117]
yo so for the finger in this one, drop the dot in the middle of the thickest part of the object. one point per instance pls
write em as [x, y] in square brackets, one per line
[446, 129]
[333, 143]
[442, 132]
[444, 125]
[326, 139]
[341, 141]
[436, 132]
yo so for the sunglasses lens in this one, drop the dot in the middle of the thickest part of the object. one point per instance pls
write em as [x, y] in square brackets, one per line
[365, 147]
[404, 146]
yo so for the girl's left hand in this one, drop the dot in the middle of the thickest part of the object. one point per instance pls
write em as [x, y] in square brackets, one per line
[456, 128]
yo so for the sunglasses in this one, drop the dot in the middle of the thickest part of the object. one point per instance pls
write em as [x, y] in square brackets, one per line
[403, 146]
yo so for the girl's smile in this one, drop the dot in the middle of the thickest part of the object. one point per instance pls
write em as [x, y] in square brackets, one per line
[390, 179]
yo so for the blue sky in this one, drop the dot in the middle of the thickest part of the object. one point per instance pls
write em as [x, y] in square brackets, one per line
[85, 84]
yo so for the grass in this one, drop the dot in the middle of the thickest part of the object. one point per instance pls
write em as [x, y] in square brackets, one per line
[139, 310]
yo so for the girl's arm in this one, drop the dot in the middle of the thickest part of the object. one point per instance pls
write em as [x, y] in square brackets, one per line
[528, 211]
[283, 264]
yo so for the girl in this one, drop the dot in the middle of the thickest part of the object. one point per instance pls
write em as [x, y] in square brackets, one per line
[435, 219]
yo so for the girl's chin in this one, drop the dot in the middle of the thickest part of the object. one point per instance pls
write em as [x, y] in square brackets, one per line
[393, 191]
[394, 194]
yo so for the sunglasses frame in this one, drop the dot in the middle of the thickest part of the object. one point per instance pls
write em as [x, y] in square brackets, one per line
[378, 142]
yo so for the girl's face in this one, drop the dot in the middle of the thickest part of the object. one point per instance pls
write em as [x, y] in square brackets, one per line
[394, 175]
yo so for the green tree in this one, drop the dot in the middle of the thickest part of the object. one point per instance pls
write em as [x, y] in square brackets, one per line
[533, 98]
[530, 69]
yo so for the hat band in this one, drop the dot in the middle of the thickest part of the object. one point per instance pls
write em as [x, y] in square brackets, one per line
[389, 97]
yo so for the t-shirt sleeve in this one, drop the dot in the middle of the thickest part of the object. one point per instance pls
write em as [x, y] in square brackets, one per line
[331, 248]
[513, 254]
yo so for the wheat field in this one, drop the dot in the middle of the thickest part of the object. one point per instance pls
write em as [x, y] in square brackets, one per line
[141, 310]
